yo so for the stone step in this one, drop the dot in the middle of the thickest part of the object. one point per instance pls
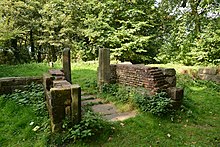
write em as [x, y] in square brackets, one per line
[87, 97]
[91, 102]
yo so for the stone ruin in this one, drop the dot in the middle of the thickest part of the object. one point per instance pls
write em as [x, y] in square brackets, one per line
[63, 99]
[10, 84]
[153, 79]
[210, 74]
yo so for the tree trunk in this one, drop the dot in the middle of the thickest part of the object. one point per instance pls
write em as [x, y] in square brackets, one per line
[53, 52]
[15, 49]
[194, 7]
[39, 59]
[32, 44]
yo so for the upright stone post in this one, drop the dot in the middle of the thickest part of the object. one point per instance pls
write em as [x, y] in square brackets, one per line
[57, 99]
[104, 67]
[76, 103]
[66, 65]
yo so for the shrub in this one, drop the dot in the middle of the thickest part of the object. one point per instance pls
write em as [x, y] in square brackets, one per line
[91, 124]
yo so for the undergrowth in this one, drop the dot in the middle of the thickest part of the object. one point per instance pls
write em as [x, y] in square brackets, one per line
[158, 104]
[92, 125]
[24, 117]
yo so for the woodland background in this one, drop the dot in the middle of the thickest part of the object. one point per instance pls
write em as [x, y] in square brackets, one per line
[139, 31]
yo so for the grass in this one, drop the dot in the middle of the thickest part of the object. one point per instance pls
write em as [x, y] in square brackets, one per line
[33, 69]
[19, 117]
[198, 124]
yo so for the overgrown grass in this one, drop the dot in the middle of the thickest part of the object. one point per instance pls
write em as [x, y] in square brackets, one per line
[196, 124]
[24, 120]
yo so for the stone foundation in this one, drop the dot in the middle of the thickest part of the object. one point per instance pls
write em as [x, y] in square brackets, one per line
[9, 84]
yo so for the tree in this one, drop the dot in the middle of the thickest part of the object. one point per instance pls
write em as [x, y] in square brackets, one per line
[190, 24]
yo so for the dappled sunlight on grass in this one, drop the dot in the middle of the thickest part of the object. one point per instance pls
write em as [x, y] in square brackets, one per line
[197, 88]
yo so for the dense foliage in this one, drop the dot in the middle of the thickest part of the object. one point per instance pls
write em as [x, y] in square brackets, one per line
[185, 31]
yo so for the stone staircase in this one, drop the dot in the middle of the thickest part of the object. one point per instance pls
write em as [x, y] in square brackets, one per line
[107, 110]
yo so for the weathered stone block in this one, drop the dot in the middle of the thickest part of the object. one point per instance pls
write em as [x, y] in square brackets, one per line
[18, 81]
[210, 71]
[68, 111]
[37, 80]
[48, 81]
[58, 114]
[59, 96]
[175, 93]
[61, 83]
[216, 78]
[168, 71]
[206, 77]
[56, 127]
[171, 81]
[104, 67]
[66, 65]
[218, 71]
[7, 82]
[76, 103]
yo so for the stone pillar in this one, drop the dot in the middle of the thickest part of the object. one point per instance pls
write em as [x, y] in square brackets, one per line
[76, 103]
[67, 65]
[57, 99]
[104, 67]
[176, 94]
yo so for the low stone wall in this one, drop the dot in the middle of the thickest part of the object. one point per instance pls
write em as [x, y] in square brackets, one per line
[152, 78]
[210, 74]
[9, 84]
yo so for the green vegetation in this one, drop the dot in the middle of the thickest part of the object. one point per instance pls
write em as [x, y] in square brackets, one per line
[24, 119]
[32, 69]
[129, 98]
[195, 124]
[140, 31]
[186, 32]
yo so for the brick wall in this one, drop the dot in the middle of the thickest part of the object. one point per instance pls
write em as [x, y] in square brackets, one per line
[9, 84]
[152, 78]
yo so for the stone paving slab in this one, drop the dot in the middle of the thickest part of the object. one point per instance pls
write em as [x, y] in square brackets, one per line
[104, 109]
[120, 116]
